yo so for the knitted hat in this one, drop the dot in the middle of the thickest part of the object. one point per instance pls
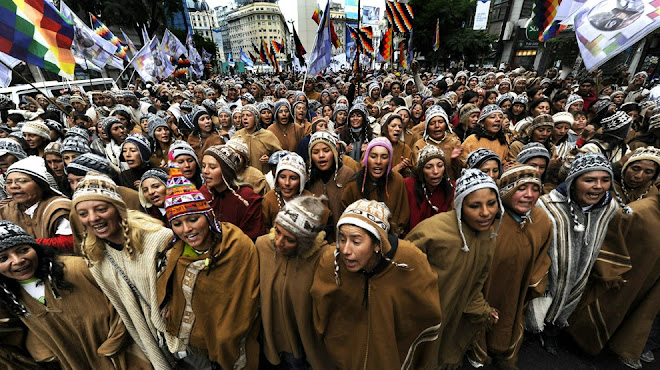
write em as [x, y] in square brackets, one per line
[520, 99]
[648, 153]
[293, 162]
[253, 109]
[88, 162]
[426, 154]
[274, 158]
[75, 144]
[154, 173]
[187, 105]
[228, 156]
[470, 181]
[53, 148]
[601, 105]
[279, 104]
[563, 117]
[339, 107]
[302, 217]
[488, 110]
[155, 122]
[99, 188]
[248, 97]
[77, 131]
[181, 147]
[572, 99]
[35, 167]
[480, 156]
[436, 111]
[54, 126]
[379, 141]
[264, 106]
[505, 97]
[36, 128]
[616, 121]
[542, 120]
[326, 138]
[654, 122]
[532, 150]
[142, 145]
[209, 105]
[196, 114]
[240, 147]
[107, 123]
[182, 198]
[467, 110]
[514, 177]
[12, 235]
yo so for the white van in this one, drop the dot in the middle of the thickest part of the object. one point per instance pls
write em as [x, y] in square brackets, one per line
[52, 88]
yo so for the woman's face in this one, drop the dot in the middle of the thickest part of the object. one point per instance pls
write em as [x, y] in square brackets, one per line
[286, 243]
[377, 162]
[579, 123]
[23, 189]
[321, 125]
[394, 130]
[327, 111]
[283, 115]
[517, 109]
[525, 197]
[591, 187]
[289, 184]
[559, 105]
[436, 128]
[301, 111]
[639, 173]
[541, 134]
[55, 163]
[341, 117]
[212, 172]
[617, 99]
[560, 130]
[19, 262]
[187, 164]
[355, 120]
[491, 168]
[493, 123]
[538, 95]
[405, 117]
[541, 108]
[375, 93]
[266, 116]
[492, 99]
[506, 105]
[479, 209]
[101, 218]
[34, 141]
[205, 123]
[154, 191]
[162, 135]
[460, 91]
[322, 157]
[249, 120]
[122, 119]
[118, 132]
[433, 172]
[575, 107]
[539, 163]
[224, 119]
[417, 111]
[144, 124]
[357, 249]
[131, 155]
[193, 230]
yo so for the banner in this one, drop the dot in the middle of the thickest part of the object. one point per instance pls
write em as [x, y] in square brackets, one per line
[604, 28]
[481, 15]
[351, 9]
[89, 49]
[566, 11]
[370, 15]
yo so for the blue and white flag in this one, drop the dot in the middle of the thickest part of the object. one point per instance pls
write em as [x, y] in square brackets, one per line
[322, 52]
[246, 59]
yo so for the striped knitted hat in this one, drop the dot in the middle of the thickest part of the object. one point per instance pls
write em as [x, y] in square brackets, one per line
[648, 153]
[532, 150]
[182, 197]
[88, 162]
[616, 121]
[514, 177]
[77, 131]
[436, 111]
[142, 145]
[480, 156]
[572, 99]
[75, 144]
[293, 162]
[488, 110]
[542, 120]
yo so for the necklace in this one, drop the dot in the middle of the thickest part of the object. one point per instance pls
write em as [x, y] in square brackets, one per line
[625, 192]
[426, 195]
[284, 131]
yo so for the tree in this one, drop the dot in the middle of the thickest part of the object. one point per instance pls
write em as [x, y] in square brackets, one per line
[130, 13]
[456, 39]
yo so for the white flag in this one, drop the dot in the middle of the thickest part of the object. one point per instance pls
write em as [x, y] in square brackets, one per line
[5, 73]
[144, 64]
[88, 45]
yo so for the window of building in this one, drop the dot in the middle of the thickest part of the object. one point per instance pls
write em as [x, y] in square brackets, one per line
[526, 10]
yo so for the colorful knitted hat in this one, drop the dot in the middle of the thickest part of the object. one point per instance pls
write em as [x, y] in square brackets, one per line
[182, 197]
[542, 120]
[36, 128]
[88, 162]
[426, 154]
[470, 181]
[480, 156]
[436, 111]
[142, 145]
[488, 110]
[532, 150]
[515, 176]
[302, 217]
[293, 162]
[379, 141]
[75, 144]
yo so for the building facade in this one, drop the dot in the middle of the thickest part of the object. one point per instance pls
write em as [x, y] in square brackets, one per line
[221, 13]
[508, 20]
[254, 23]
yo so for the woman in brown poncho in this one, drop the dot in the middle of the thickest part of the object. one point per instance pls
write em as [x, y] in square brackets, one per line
[364, 291]
[519, 266]
[460, 245]
[288, 256]
[209, 290]
[261, 142]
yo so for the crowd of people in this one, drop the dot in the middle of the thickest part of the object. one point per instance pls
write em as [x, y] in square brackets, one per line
[414, 220]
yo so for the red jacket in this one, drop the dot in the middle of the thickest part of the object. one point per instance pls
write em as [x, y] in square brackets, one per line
[228, 208]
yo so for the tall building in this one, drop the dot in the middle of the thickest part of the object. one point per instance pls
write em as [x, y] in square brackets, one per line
[181, 19]
[221, 13]
[338, 19]
[202, 18]
[507, 21]
[256, 22]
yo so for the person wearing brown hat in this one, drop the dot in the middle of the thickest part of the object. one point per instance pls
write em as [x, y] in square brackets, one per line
[288, 256]
[361, 312]
[209, 289]
[539, 130]
[519, 267]
[58, 301]
[261, 143]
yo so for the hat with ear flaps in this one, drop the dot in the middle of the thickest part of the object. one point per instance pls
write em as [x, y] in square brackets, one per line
[293, 162]
[373, 217]
[648, 153]
[470, 181]
[302, 217]
[584, 163]
[159, 174]
[514, 177]
[229, 157]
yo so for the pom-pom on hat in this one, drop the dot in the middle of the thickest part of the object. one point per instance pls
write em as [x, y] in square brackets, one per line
[470, 181]
[293, 162]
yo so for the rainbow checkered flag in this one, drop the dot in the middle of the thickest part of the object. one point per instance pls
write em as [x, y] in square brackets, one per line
[35, 32]
[105, 32]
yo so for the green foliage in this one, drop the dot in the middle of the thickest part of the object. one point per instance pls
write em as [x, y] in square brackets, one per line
[129, 13]
[456, 38]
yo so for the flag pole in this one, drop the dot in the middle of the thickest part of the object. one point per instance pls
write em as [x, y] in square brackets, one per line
[316, 39]
[33, 86]
[357, 50]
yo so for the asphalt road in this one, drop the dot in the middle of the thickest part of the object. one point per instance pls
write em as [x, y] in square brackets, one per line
[533, 357]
